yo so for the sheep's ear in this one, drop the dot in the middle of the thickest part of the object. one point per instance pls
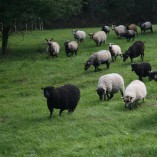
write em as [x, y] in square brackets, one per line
[42, 88]
[51, 39]
[122, 97]
[46, 39]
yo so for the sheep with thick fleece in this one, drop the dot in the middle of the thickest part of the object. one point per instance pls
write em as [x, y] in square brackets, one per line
[79, 35]
[141, 69]
[119, 30]
[135, 91]
[71, 47]
[110, 84]
[98, 37]
[153, 75]
[98, 58]
[64, 98]
[146, 26]
[115, 51]
[53, 48]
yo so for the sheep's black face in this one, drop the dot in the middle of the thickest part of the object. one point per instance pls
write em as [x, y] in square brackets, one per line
[128, 101]
[125, 56]
[87, 65]
[133, 66]
[101, 93]
[48, 91]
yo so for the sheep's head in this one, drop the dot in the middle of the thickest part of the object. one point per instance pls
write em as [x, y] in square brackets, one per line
[87, 64]
[66, 43]
[128, 101]
[49, 41]
[152, 75]
[102, 93]
[125, 56]
[134, 66]
[48, 91]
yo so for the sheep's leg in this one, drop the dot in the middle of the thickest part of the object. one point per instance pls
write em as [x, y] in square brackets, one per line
[108, 97]
[151, 29]
[121, 91]
[108, 64]
[130, 106]
[140, 78]
[133, 38]
[142, 56]
[60, 112]
[111, 96]
[131, 59]
[51, 113]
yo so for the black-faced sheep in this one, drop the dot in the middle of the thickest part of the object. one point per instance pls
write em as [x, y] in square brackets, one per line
[53, 48]
[110, 84]
[98, 37]
[153, 75]
[146, 26]
[119, 30]
[79, 35]
[71, 47]
[98, 58]
[137, 49]
[135, 91]
[115, 51]
[106, 29]
[132, 27]
[64, 98]
[128, 35]
[141, 70]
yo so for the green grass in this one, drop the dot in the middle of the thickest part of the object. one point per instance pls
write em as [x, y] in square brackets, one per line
[96, 128]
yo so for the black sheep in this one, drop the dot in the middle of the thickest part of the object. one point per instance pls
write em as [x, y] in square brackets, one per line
[134, 51]
[153, 75]
[64, 98]
[142, 69]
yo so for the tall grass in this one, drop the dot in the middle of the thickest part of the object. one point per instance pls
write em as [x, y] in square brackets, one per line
[96, 128]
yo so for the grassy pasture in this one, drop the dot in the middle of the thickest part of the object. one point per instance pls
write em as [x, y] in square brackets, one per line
[96, 128]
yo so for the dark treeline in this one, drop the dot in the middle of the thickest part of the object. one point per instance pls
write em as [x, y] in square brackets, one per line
[98, 12]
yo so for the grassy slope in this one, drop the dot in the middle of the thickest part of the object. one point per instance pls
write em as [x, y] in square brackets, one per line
[96, 128]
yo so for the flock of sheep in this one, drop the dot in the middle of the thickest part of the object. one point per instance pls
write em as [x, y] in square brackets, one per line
[66, 97]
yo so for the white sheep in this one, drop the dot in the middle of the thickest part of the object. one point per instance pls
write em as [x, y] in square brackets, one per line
[98, 58]
[115, 51]
[135, 91]
[99, 37]
[119, 30]
[53, 48]
[79, 35]
[145, 26]
[71, 47]
[110, 84]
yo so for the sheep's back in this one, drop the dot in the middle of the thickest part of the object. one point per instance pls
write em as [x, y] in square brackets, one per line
[99, 36]
[103, 55]
[73, 45]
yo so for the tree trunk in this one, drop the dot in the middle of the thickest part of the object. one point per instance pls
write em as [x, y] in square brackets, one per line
[5, 36]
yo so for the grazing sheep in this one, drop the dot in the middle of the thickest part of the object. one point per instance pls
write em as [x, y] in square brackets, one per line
[132, 27]
[115, 51]
[53, 48]
[141, 70]
[153, 75]
[64, 98]
[79, 35]
[106, 29]
[71, 47]
[98, 37]
[98, 58]
[135, 91]
[137, 49]
[119, 30]
[146, 26]
[110, 84]
[128, 35]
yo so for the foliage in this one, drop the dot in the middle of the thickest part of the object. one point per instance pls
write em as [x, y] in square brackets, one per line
[96, 128]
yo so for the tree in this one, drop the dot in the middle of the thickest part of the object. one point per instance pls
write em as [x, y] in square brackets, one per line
[17, 10]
